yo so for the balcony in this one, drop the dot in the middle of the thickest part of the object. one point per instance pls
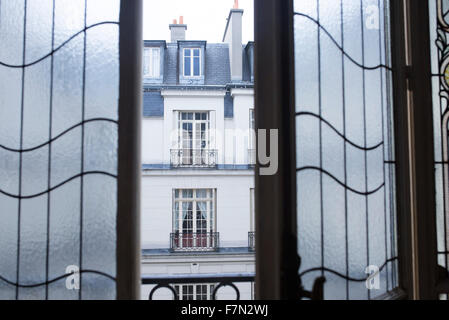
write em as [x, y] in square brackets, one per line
[252, 241]
[222, 280]
[188, 158]
[194, 242]
[252, 157]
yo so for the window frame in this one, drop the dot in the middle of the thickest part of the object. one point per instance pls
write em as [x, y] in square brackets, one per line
[211, 218]
[179, 288]
[192, 68]
[152, 73]
[276, 262]
[129, 152]
[180, 121]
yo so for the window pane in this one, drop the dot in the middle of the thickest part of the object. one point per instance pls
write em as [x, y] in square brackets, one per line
[156, 63]
[187, 66]
[439, 34]
[66, 169]
[196, 66]
[187, 194]
[146, 61]
[345, 164]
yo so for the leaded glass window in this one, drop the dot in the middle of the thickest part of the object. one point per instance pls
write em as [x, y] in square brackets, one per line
[345, 155]
[59, 88]
[439, 29]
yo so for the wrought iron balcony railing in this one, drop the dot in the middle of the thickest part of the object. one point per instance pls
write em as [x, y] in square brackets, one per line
[252, 241]
[185, 158]
[194, 241]
[222, 280]
[252, 157]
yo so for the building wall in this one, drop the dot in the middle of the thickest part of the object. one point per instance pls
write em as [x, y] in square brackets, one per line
[209, 264]
[233, 203]
[229, 136]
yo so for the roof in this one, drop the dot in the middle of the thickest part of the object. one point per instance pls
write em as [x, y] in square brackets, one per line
[217, 69]
[217, 74]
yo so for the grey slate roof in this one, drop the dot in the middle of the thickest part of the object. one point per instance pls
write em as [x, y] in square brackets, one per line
[218, 67]
[171, 64]
[153, 104]
[217, 70]
[217, 73]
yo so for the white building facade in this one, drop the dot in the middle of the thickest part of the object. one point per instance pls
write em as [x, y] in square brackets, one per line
[198, 156]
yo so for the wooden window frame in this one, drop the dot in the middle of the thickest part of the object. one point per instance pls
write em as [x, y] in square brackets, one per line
[276, 266]
[129, 161]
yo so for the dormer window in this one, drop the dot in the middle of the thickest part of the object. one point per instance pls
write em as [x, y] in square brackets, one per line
[151, 62]
[192, 62]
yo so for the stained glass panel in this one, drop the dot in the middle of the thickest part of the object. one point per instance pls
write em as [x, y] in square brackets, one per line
[439, 35]
[59, 86]
[345, 157]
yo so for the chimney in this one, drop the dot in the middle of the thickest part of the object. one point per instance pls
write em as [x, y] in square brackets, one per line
[233, 37]
[178, 31]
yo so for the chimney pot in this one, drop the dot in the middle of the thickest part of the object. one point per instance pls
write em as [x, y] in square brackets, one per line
[178, 31]
[236, 4]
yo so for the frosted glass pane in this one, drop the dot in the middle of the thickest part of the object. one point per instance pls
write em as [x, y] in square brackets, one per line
[10, 99]
[66, 157]
[99, 212]
[12, 18]
[307, 141]
[59, 93]
[102, 63]
[39, 27]
[306, 66]
[440, 86]
[9, 175]
[69, 20]
[101, 146]
[309, 219]
[36, 115]
[346, 198]
[33, 246]
[8, 239]
[68, 86]
[35, 172]
[64, 237]
[333, 225]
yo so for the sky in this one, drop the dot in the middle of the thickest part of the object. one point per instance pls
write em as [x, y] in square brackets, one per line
[205, 19]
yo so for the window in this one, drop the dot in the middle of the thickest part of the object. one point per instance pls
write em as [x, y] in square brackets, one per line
[194, 141]
[151, 62]
[192, 62]
[195, 291]
[71, 123]
[252, 138]
[345, 157]
[440, 72]
[194, 219]
[252, 224]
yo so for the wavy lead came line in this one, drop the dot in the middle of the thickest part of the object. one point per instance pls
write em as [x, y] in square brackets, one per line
[338, 274]
[59, 47]
[340, 48]
[337, 132]
[34, 285]
[341, 183]
[58, 186]
[58, 136]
